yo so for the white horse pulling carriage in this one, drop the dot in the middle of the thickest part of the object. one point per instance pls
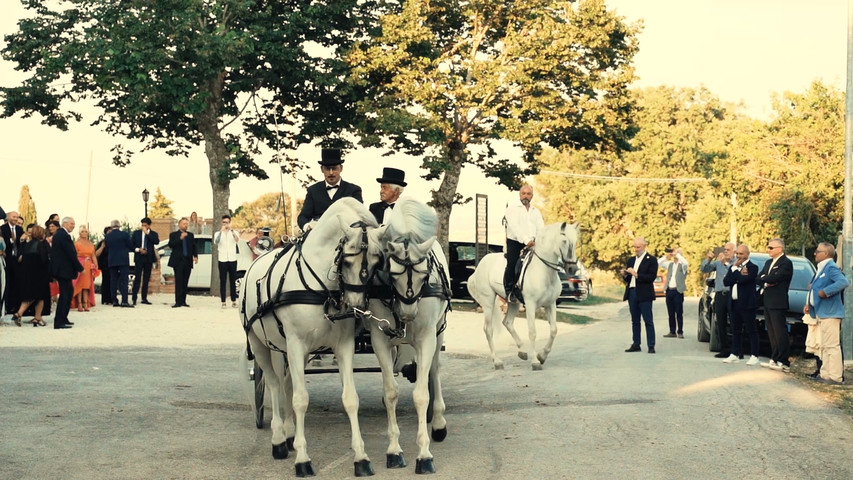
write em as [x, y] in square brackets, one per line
[299, 301]
[286, 295]
[539, 284]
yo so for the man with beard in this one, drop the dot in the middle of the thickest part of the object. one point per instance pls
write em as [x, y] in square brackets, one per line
[523, 222]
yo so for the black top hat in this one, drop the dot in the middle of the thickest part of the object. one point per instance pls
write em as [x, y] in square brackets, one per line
[393, 175]
[331, 157]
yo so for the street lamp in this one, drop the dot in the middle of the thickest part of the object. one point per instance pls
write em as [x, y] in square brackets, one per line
[145, 199]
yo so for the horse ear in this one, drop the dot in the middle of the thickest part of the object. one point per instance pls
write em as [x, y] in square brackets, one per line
[426, 246]
[393, 247]
[563, 227]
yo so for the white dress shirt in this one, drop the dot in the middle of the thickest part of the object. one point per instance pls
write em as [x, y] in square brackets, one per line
[227, 246]
[522, 224]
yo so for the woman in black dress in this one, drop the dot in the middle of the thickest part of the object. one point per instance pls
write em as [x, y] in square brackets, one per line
[34, 275]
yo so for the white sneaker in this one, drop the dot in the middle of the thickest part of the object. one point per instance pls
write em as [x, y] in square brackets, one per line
[224, 306]
[731, 359]
[753, 360]
[233, 304]
[781, 367]
[768, 364]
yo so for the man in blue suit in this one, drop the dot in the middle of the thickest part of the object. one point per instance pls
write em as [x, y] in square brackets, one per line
[824, 303]
[145, 255]
[741, 278]
[639, 277]
[321, 195]
[119, 246]
[64, 267]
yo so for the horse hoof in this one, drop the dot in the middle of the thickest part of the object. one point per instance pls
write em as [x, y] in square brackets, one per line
[363, 468]
[540, 358]
[395, 460]
[279, 452]
[289, 443]
[440, 434]
[537, 366]
[522, 355]
[424, 465]
[499, 366]
[304, 469]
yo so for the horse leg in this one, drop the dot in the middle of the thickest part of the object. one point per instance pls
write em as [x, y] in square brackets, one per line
[425, 345]
[531, 333]
[344, 353]
[287, 400]
[551, 315]
[509, 318]
[490, 310]
[439, 422]
[382, 348]
[273, 378]
[297, 356]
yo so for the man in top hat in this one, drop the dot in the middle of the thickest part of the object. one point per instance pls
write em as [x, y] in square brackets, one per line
[321, 195]
[390, 188]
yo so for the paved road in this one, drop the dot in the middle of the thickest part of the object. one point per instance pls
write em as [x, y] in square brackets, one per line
[593, 412]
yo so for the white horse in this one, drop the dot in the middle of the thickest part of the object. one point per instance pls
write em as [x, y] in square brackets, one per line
[540, 287]
[286, 297]
[411, 311]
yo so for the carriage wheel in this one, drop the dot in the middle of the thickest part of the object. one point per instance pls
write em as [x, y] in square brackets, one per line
[260, 388]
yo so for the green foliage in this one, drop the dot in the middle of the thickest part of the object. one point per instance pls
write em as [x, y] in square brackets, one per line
[266, 211]
[160, 206]
[27, 207]
[445, 80]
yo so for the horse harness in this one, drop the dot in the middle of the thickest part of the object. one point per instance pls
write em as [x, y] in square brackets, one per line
[330, 299]
[527, 257]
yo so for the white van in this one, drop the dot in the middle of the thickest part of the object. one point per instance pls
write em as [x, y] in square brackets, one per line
[201, 273]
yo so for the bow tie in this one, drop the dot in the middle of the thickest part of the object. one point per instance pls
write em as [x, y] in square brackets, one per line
[332, 187]
[387, 205]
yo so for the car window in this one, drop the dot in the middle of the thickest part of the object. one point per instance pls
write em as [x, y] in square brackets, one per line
[203, 246]
[465, 252]
[803, 274]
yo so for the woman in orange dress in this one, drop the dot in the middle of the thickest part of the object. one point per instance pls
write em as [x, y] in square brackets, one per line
[84, 285]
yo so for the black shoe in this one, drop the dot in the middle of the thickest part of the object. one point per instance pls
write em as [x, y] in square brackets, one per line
[651, 349]
[145, 302]
[185, 305]
[69, 323]
[680, 335]
[669, 335]
[126, 305]
[634, 348]
[116, 304]
[177, 305]
[57, 327]
[722, 355]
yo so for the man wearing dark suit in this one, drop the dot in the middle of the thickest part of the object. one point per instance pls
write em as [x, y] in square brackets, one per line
[145, 255]
[182, 258]
[774, 279]
[741, 277]
[321, 195]
[390, 188]
[639, 277]
[11, 233]
[64, 267]
[119, 246]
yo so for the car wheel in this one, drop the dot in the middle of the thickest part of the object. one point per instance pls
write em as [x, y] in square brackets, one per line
[715, 343]
[701, 334]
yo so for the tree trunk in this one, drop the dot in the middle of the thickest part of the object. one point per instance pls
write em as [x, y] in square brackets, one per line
[443, 198]
[217, 157]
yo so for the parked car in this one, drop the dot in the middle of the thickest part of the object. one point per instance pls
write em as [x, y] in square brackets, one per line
[200, 276]
[804, 271]
[660, 283]
[576, 287]
[463, 256]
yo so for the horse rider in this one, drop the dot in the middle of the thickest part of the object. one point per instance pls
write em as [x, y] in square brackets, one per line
[523, 222]
[391, 186]
[322, 194]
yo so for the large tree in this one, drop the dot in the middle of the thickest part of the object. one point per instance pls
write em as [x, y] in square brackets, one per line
[173, 74]
[447, 80]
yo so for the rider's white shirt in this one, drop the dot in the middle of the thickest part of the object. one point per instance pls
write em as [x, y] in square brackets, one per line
[522, 224]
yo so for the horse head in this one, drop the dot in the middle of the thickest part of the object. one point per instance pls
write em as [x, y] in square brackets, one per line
[407, 244]
[569, 235]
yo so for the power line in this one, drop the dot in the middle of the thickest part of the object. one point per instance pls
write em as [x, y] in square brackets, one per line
[626, 179]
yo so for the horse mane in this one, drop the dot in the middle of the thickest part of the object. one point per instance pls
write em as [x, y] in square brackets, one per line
[350, 209]
[412, 220]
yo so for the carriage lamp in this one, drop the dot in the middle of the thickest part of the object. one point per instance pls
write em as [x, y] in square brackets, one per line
[145, 199]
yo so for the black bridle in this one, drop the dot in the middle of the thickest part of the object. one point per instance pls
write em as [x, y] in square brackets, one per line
[409, 270]
[364, 274]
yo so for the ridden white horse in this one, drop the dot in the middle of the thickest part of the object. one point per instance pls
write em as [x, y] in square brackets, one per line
[540, 287]
[286, 297]
[411, 310]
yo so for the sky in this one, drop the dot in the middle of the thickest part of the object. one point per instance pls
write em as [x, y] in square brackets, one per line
[741, 50]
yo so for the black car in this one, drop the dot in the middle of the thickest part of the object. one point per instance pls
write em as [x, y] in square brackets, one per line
[576, 287]
[803, 273]
[462, 262]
